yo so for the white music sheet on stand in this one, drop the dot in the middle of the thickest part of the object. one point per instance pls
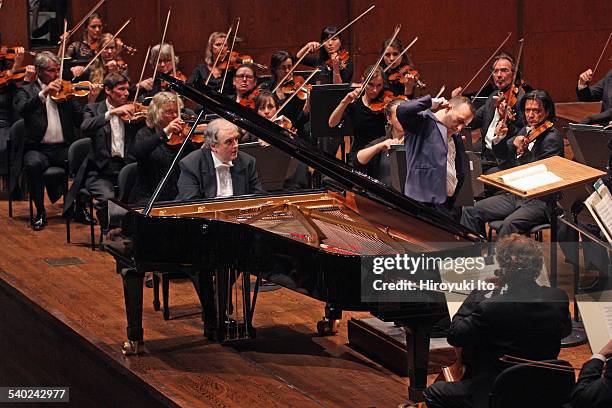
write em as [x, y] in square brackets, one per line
[596, 311]
[530, 178]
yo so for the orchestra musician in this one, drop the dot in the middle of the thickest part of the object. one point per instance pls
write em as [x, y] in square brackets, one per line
[153, 152]
[367, 124]
[331, 51]
[600, 91]
[84, 50]
[281, 62]
[200, 74]
[164, 66]
[526, 320]
[488, 117]
[48, 131]
[218, 169]
[245, 85]
[391, 58]
[108, 125]
[520, 214]
[435, 154]
[594, 387]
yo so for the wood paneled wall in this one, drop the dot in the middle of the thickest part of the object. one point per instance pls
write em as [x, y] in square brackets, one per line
[562, 37]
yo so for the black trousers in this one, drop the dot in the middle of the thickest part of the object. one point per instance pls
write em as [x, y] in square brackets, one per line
[36, 161]
[101, 185]
[519, 215]
[449, 394]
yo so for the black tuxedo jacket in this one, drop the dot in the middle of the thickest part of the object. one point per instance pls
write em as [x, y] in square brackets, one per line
[96, 127]
[198, 177]
[548, 144]
[601, 91]
[33, 110]
[593, 390]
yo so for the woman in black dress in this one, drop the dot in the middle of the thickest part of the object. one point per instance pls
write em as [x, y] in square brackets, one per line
[200, 74]
[332, 50]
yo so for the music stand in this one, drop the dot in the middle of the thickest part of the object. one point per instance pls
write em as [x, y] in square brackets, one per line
[273, 165]
[323, 100]
[590, 145]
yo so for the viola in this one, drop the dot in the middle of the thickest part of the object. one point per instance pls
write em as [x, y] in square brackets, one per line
[235, 60]
[381, 102]
[403, 73]
[11, 76]
[249, 99]
[343, 58]
[532, 135]
[69, 90]
[297, 85]
[197, 136]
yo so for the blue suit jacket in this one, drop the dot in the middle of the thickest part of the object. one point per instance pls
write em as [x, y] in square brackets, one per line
[426, 151]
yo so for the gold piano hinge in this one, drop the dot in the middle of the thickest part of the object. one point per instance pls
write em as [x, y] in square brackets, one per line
[202, 209]
[162, 213]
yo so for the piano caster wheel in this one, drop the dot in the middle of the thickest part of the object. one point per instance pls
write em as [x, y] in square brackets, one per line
[131, 348]
[327, 327]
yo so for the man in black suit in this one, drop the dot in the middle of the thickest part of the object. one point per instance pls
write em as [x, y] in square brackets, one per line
[49, 130]
[218, 169]
[108, 125]
[601, 91]
[435, 154]
[525, 320]
[594, 387]
[488, 116]
[519, 214]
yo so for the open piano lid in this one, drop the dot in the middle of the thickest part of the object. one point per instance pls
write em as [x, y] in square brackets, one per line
[340, 172]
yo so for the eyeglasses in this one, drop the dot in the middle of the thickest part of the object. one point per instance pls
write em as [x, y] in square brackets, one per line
[245, 77]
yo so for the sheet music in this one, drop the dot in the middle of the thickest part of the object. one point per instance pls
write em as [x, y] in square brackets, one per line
[530, 178]
[606, 308]
[596, 311]
[599, 203]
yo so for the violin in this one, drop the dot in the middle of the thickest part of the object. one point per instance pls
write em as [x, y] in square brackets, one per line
[297, 85]
[249, 99]
[381, 102]
[197, 136]
[235, 60]
[121, 46]
[406, 70]
[70, 90]
[8, 53]
[11, 76]
[532, 135]
[140, 113]
[285, 123]
[343, 58]
[179, 75]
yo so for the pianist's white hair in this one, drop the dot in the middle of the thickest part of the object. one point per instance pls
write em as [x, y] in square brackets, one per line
[211, 134]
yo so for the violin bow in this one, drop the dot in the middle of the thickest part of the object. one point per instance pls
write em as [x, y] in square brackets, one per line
[174, 75]
[142, 71]
[401, 54]
[63, 51]
[516, 70]
[229, 31]
[371, 74]
[162, 42]
[523, 361]
[486, 63]
[106, 45]
[230, 53]
[602, 54]
[313, 73]
[441, 91]
[353, 21]
[80, 23]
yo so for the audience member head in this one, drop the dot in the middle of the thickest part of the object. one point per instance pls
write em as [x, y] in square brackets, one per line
[519, 258]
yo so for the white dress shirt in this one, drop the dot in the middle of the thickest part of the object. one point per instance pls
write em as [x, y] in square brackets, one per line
[54, 133]
[225, 187]
[117, 132]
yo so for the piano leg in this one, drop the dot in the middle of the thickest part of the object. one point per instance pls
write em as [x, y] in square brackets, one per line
[132, 292]
[417, 343]
[329, 324]
[203, 283]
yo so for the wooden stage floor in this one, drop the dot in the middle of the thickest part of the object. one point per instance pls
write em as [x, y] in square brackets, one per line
[64, 326]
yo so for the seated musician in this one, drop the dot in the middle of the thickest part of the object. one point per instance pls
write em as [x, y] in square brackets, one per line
[488, 116]
[525, 320]
[601, 91]
[520, 214]
[80, 52]
[373, 159]
[594, 387]
[154, 153]
[218, 169]
[435, 155]
[150, 87]
[245, 85]
[396, 82]
[331, 52]
[281, 62]
[49, 130]
[201, 72]
[108, 125]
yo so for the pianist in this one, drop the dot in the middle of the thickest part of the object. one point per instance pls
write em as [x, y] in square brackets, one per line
[218, 169]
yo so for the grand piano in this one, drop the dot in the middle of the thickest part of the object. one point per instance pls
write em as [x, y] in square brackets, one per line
[312, 242]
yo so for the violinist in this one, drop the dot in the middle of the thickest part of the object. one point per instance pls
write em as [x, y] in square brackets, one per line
[330, 53]
[526, 320]
[48, 132]
[152, 152]
[281, 62]
[245, 85]
[164, 66]
[520, 214]
[398, 81]
[108, 124]
[367, 124]
[600, 91]
[108, 62]
[82, 51]
[488, 117]
[199, 76]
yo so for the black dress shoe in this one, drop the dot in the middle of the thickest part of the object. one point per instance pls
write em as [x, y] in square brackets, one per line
[39, 222]
[82, 215]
